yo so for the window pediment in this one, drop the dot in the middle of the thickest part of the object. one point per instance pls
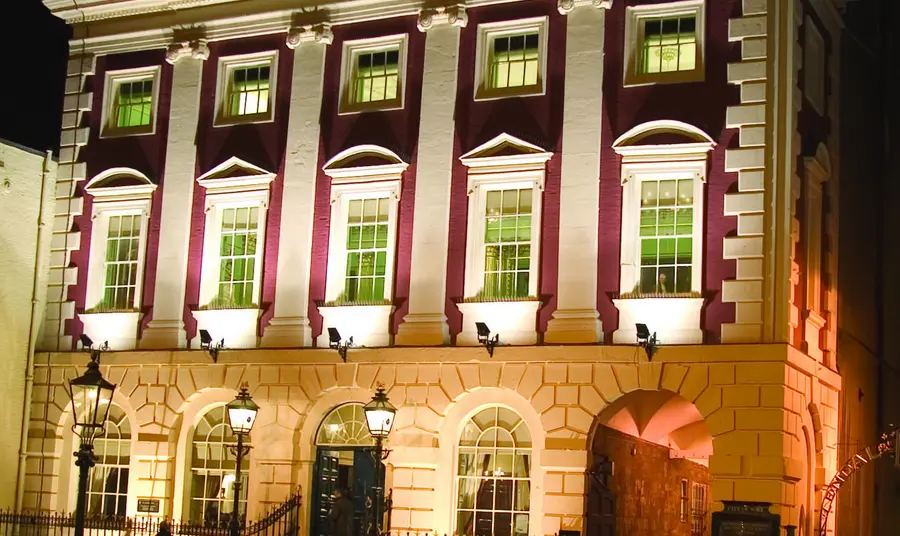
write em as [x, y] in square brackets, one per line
[120, 184]
[663, 140]
[365, 163]
[234, 175]
[505, 152]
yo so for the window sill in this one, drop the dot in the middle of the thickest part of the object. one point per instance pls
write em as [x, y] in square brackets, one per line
[484, 94]
[235, 120]
[674, 320]
[123, 132]
[376, 106]
[118, 328]
[673, 77]
[369, 325]
[239, 327]
[514, 321]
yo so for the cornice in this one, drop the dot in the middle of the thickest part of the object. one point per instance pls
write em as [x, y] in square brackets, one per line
[454, 15]
[120, 31]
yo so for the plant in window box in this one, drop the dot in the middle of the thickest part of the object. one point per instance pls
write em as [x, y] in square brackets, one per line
[227, 301]
[486, 296]
[344, 300]
[637, 294]
[105, 306]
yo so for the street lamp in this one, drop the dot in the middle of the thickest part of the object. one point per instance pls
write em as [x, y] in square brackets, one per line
[241, 416]
[379, 418]
[91, 396]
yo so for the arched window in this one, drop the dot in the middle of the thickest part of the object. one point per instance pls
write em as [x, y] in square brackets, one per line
[494, 475]
[345, 426]
[107, 492]
[212, 471]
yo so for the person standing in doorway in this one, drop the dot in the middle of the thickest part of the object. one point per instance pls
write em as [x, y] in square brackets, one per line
[341, 514]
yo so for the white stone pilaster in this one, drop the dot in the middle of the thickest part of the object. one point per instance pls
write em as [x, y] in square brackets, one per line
[576, 319]
[166, 329]
[425, 324]
[290, 325]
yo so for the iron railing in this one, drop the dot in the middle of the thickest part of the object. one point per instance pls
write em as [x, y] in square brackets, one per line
[283, 520]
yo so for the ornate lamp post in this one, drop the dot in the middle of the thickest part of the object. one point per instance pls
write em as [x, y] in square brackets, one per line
[379, 418]
[241, 416]
[91, 396]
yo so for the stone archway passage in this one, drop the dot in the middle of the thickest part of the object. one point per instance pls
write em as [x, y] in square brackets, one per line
[656, 447]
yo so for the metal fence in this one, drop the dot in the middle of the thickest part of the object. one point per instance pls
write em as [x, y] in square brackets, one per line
[283, 520]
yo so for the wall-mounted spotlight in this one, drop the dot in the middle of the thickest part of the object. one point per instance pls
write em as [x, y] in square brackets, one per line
[334, 342]
[484, 337]
[647, 340]
[206, 343]
[87, 345]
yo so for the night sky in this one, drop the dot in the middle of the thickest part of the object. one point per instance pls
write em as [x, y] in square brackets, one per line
[35, 50]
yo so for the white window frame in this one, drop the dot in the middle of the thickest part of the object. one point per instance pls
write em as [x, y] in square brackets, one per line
[684, 501]
[350, 51]
[703, 490]
[114, 79]
[251, 190]
[355, 183]
[227, 65]
[116, 201]
[814, 73]
[486, 35]
[818, 172]
[634, 39]
[490, 173]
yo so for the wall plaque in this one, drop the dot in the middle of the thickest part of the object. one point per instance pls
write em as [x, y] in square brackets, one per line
[148, 506]
[746, 519]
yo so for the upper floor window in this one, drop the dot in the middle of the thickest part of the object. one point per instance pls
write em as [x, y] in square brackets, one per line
[212, 471]
[666, 233]
[699, 508]
[511, 58]
[121, 209]
[494, 475]
[364, 221]
[107, 493]
[664, 43]
[237, 194]
[246, 88]
[505, 194]
[374, 73]
[130, 102]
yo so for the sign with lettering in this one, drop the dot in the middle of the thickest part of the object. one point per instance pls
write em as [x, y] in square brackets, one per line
[148, 506]
[745, 519]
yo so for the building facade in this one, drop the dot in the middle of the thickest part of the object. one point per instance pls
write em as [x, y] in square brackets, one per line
[562, 172]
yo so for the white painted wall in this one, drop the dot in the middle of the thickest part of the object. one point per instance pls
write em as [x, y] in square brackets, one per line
[21, 180]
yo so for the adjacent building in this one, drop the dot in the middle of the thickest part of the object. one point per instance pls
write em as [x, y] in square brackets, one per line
[562, 172]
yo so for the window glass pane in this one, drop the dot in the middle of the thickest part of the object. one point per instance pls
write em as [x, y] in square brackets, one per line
[248, 91]
[514, 60]
[666, 231]
[367, 244]
[669, 45]
[212, 472]
[133, 103]
[108, 479]
[376, 75]
[238, 256]
[121, 262]
[498, 500]
[507, 243]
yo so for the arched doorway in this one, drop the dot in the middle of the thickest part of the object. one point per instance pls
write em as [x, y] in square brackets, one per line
[345, 459]
[650, 471]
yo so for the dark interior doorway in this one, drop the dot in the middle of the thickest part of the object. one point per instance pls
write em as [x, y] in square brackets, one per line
[349, 468]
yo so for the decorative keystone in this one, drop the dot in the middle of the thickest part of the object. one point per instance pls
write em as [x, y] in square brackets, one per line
[567, 6]
[307, 33]
[454, 15]
[194, 48]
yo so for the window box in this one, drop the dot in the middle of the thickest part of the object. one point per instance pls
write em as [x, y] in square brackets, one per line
[512, 59]
[664, 43]
[514, 321]
[117, 328]
[675, 320]
[239, 327]
[369, 325]
[246, 89]
[373, 76]
[130, 101]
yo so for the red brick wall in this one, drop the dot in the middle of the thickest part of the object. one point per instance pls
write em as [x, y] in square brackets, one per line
[647, 484]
